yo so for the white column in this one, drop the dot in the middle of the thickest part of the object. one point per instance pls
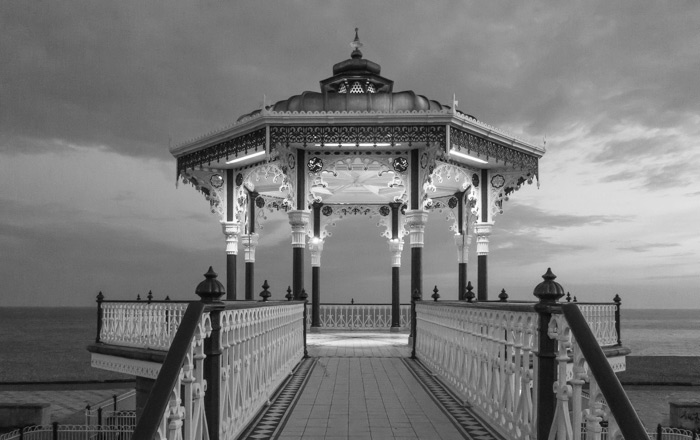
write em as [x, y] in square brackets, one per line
[463, 242]
[298, 220]
[416, 221]
[396, 247]
[316, 248]
[231, 231]
[483, 231]
[250, 242]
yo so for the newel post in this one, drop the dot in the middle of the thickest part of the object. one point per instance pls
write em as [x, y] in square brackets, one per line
[100, 298]
[211, 291]
[548, 292]
[416, 296]
[618, 301]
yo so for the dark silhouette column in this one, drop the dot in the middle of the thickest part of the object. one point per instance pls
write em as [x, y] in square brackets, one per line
[231, 230]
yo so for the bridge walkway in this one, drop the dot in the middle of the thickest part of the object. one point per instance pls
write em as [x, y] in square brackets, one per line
[361, 385]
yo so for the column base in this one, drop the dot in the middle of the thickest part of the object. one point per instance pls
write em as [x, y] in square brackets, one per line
[395, 329]
[314, 329]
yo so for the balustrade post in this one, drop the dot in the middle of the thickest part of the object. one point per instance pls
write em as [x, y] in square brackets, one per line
[304, 297]
[100, 298]
[211, 291]
[548, 292]
[415, 297]
[618, 301]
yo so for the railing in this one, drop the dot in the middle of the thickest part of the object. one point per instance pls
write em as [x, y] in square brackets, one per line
[96, 414]
[70, 432]
[520, 368]
[607, 400]
[484, 353]
[360, 316]
[140, 324]
[225, 362]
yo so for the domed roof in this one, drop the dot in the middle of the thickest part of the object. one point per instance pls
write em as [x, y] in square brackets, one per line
[355, 86]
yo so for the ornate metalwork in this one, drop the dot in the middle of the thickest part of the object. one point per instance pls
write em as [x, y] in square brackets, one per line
[461, 140]
[497, 181]
[384, 211]
[239, 179]
[326, 210]
[202, 181]
[238, 146]
[400, 164]
[360, 316]
[508, 182]
[268, 205]
[334, 135]
[475, 180]
[216, 181]
[315, 164]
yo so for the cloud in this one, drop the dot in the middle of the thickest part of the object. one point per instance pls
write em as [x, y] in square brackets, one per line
[648, 247]
[520, 217]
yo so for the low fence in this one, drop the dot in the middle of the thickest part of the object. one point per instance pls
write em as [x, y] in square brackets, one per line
[520, 365]
[360, 316]
[71, 432]
[104, 412]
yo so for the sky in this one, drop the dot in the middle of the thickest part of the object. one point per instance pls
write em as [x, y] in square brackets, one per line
[93, 94]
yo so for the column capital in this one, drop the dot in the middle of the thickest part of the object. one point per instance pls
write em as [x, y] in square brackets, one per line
[396, 247]
[231, 231]
[299, 221]
[250, 242]
[463, 242]
[316, 248]
[416, 220]
[483, 229]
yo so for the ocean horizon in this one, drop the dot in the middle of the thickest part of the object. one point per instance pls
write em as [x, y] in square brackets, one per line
[48, 344]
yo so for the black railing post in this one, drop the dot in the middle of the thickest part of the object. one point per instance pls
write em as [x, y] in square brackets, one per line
[100, 298]
[548, 293]
[114, 400]
[618, 301]
[658, 431]
[99, 416]
[211, 291]
[304, 297]
[55, 430]
[414, 321]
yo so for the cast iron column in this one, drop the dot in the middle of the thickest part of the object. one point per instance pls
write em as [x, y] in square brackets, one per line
[231, 230]
[396, 247]
[316, 247]
[416, 221]
[548, 293]
[298, 220]
[483, 230]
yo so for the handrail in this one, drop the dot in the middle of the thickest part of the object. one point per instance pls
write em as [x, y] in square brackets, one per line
[160, 395]
[620, 406]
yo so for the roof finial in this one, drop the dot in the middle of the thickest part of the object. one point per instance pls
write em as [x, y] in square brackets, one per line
[356, 45]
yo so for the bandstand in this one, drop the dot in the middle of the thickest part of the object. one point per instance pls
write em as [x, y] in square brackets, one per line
[357, 148]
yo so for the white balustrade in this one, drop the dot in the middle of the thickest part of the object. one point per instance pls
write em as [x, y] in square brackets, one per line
[360, 316]
[141, 324]
[485, 356]
[601, 320]
[261, 346]
[578, 415]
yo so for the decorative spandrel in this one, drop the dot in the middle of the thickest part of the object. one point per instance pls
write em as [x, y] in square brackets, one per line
[229, 149]
[211, 185]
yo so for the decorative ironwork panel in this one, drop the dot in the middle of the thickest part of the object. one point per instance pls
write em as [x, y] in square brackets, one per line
[360, 316]
[141, 324]
[601, 320]
[461, 140]
[332, 135]
[232, 148]
[485, 356]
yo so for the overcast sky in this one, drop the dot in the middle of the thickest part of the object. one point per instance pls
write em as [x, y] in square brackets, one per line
[92, 93]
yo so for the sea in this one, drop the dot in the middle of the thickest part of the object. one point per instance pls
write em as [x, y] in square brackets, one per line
[49, 344]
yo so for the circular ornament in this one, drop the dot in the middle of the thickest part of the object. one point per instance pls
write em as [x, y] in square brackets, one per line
[326, 210]
[424, 160]
[475, 180]
[384, 210]
[216, 181]
[292, 161]
[403, 208]
[400, 164]
[498, 181]
[259, 202]
[239, 179]
[314, 164]
[452, 202]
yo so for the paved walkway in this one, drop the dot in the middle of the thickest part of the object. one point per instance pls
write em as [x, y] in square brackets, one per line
[361, 388]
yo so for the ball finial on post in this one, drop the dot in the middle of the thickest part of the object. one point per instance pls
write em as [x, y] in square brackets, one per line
[470, 295]
[435, 294]
[210, 290]
[549, 291]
